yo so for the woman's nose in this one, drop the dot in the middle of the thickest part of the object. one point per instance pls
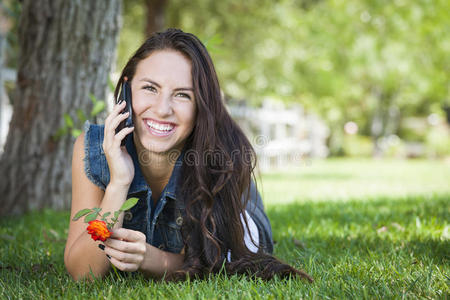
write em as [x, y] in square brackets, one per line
[163, 107]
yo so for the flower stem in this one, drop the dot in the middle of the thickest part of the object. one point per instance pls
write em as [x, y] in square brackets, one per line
[115, 271]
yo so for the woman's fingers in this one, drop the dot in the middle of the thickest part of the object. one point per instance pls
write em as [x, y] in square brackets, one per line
[125, 257]
[119, 107]
[123, 266]
[120, 163]
[112, 138]
[128, 234]
[119, 136]
[120, 245]
[120, 117]
[122, 133]
[113, 114]
[116, 110]
[125, 246]
[112, 121]
[126, 249]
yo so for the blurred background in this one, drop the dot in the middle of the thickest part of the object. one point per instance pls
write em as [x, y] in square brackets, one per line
[347, 104]
[308, 80]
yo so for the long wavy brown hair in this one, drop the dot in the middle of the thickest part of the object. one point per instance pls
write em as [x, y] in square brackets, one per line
[214, 185]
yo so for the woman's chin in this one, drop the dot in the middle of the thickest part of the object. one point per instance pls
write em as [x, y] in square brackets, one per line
[159, 147]
[156, 148]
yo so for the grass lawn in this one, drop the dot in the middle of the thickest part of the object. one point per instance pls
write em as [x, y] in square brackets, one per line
[361, 228]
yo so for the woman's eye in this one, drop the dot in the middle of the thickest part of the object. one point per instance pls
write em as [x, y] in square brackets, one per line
[184, 95]
[149, 87]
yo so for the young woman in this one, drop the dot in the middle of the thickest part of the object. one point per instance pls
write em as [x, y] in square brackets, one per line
[187, 162]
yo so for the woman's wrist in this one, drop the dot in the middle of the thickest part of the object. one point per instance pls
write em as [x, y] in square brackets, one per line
[115, 196]
[158, 263]
[117, 185]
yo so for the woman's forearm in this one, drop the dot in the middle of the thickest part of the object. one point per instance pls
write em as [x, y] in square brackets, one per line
[158, 263]
[84, 255]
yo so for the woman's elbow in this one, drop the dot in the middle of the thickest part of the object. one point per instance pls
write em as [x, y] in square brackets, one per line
[81, 271]
[79, 274]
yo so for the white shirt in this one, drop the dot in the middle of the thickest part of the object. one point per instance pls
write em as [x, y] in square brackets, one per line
[251, 231]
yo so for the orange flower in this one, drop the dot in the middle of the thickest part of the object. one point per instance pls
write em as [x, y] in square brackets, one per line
[98, 230]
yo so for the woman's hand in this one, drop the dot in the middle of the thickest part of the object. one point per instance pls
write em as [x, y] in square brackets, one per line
[119, 161]
[126, 249]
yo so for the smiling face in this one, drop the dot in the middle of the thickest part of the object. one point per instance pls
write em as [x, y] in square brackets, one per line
[163, 101]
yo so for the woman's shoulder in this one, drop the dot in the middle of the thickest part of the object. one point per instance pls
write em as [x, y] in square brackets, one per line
[95, 165]
[93, 131]
[93, 138]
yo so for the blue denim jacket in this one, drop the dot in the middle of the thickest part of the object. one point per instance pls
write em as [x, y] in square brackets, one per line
[161, 224]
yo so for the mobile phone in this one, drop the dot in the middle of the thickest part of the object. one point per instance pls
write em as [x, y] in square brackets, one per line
[125, 95]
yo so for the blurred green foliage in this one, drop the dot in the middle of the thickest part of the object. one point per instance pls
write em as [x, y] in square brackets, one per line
[9, 22]
[437, 144]
[74, 126]
[357, 145]
[376, 63]
[371, 62]
[132, 32]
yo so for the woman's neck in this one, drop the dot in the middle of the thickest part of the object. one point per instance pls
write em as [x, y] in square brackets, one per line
[156, 168]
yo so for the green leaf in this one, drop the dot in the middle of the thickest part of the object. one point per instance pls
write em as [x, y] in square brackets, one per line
[106, 214]
[116, 214]
[90, 217]
[97, 209]
[129, 204]
[99, 106]
[81, 115]
[81, 213]
[111, 85]
[93, 98]
[213, 43]
[68, 120]
[61, 131]
[76, 132]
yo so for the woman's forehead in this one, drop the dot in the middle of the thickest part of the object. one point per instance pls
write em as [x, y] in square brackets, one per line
[165, 65]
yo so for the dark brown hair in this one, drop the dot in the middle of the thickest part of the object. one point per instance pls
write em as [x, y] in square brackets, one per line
[212, 224]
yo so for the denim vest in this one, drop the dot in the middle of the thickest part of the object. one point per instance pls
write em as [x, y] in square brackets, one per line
[161, 223]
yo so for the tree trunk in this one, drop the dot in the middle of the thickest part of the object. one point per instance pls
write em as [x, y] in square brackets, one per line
[155, 16]
[447, 112]
[66, 52]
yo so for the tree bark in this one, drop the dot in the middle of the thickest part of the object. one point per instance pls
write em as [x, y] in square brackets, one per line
[155, 16]
[66, 52]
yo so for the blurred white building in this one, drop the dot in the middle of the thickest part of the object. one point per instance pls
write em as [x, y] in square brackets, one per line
[281, 135]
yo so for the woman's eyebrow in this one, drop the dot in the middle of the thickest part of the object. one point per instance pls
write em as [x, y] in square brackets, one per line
[157, 84]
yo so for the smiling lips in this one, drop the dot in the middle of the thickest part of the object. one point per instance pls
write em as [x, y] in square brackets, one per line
[159, 128]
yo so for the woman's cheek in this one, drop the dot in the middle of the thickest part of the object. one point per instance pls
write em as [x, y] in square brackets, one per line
[138, 104]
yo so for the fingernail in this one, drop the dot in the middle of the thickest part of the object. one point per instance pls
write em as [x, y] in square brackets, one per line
[108, 256]
[101, 246]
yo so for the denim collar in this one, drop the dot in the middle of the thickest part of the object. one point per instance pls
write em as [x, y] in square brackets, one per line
[139, 183]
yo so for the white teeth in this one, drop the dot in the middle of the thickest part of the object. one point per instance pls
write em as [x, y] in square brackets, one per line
[159, 127]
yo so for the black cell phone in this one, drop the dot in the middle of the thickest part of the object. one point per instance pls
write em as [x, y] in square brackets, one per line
[125, 95]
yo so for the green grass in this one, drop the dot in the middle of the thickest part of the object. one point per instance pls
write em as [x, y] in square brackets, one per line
[362, 229]
[346, 179]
